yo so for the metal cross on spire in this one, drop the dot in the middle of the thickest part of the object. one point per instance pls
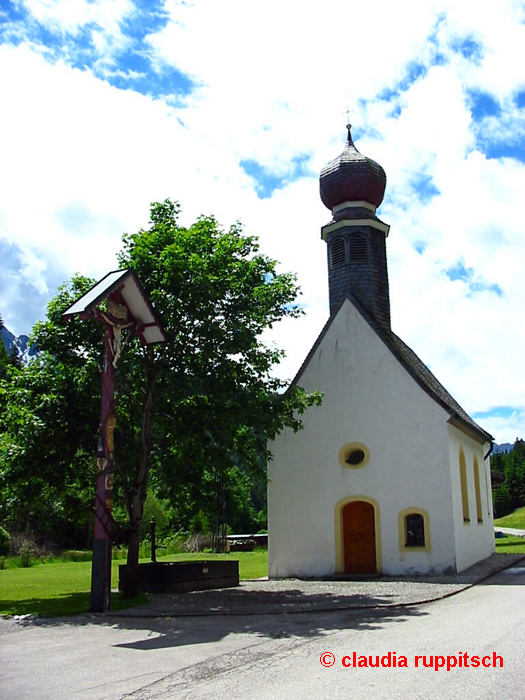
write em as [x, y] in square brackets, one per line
[347, 112]
[348, 125]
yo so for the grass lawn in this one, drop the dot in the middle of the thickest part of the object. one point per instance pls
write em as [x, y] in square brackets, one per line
[508, 544]
[251, 564]
[63, 588]
[515, 519]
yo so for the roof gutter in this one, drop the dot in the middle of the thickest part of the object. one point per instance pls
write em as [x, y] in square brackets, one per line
[472, 430]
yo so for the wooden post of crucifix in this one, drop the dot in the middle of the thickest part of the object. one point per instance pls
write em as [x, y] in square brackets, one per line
[127, 308]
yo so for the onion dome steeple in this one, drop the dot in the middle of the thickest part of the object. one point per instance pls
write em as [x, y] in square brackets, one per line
[352, 177]
[352, 186]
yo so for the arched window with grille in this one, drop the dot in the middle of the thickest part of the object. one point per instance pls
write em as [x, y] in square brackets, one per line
[414, 529]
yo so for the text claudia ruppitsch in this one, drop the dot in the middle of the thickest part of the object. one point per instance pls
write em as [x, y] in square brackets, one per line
[436, 661]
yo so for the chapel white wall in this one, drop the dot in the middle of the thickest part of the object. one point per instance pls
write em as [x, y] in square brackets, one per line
[369, 398]
[473, 540]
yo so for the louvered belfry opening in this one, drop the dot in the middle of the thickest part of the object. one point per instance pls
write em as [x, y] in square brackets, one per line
[337, 252]
[359, 268]
[352, 186]
[358, 248]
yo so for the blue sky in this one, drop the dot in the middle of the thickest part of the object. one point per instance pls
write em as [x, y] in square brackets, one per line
[112, 104]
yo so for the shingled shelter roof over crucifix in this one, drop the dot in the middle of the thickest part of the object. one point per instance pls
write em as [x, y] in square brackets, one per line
[148, 328]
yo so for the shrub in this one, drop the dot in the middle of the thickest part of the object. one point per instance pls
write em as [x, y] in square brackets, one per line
[198, 542]
[76, 555]
[21, 541]
[5, 543]
[155, 508]
[176, 544]
[25, 557]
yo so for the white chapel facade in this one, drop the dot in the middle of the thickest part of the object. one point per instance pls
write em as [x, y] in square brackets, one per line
[390, 475]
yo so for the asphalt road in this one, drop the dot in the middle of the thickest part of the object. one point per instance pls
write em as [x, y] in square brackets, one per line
[278, 656]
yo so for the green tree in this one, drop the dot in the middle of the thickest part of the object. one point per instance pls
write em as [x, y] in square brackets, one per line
[197, 411]
[48, 421]
[4, 357]
[211, 388]
[44, 465]
[502, 501]
[518, 448]
[511, 494]
[14, 358]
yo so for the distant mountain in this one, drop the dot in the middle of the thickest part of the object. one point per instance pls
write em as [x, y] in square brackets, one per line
[505, 447]
[26, 352]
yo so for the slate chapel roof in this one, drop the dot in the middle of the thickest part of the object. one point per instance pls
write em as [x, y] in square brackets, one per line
[413, 365]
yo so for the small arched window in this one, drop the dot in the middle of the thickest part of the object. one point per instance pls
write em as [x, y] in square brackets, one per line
[477, 487]
[487, 487]
[414, 530]
[337, 252]
[358, 248]
[464, 486]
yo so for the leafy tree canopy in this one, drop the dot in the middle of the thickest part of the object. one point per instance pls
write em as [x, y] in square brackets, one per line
[197, 410]
[215, 294]
[48, 422]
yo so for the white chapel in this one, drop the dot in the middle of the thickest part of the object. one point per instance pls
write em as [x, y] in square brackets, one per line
[390, 475]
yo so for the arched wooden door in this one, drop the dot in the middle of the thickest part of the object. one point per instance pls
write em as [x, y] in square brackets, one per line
[359, 538]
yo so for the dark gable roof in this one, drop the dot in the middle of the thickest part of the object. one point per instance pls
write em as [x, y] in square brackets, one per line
[414, 366]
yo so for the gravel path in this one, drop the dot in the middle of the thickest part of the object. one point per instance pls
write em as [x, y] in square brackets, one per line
[265, 596]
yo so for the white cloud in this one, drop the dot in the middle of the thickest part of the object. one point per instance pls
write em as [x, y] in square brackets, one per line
[82, 160]
[276, 83]
[499, 33]
[72, 15]
[509, 428]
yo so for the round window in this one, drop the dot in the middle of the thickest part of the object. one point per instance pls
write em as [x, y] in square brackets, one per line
[355, 457]
[354, 454]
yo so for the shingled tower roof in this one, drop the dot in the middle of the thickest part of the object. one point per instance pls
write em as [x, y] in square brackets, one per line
[353, 186]
[352, 177]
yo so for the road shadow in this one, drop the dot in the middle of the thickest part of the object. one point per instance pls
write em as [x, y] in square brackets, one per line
[164, 633]
[511, 576]
[161, 632]
[65, 604]
[261, 601]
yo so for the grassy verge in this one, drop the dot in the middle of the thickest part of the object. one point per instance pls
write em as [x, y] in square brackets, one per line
[515, 520]
[63, 588]
[508, 544]
[251, 564]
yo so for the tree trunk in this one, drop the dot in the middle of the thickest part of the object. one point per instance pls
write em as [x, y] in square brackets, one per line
[138, 496]
[130, 584]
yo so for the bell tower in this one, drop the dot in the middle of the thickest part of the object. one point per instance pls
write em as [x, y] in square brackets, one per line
[352, 186]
